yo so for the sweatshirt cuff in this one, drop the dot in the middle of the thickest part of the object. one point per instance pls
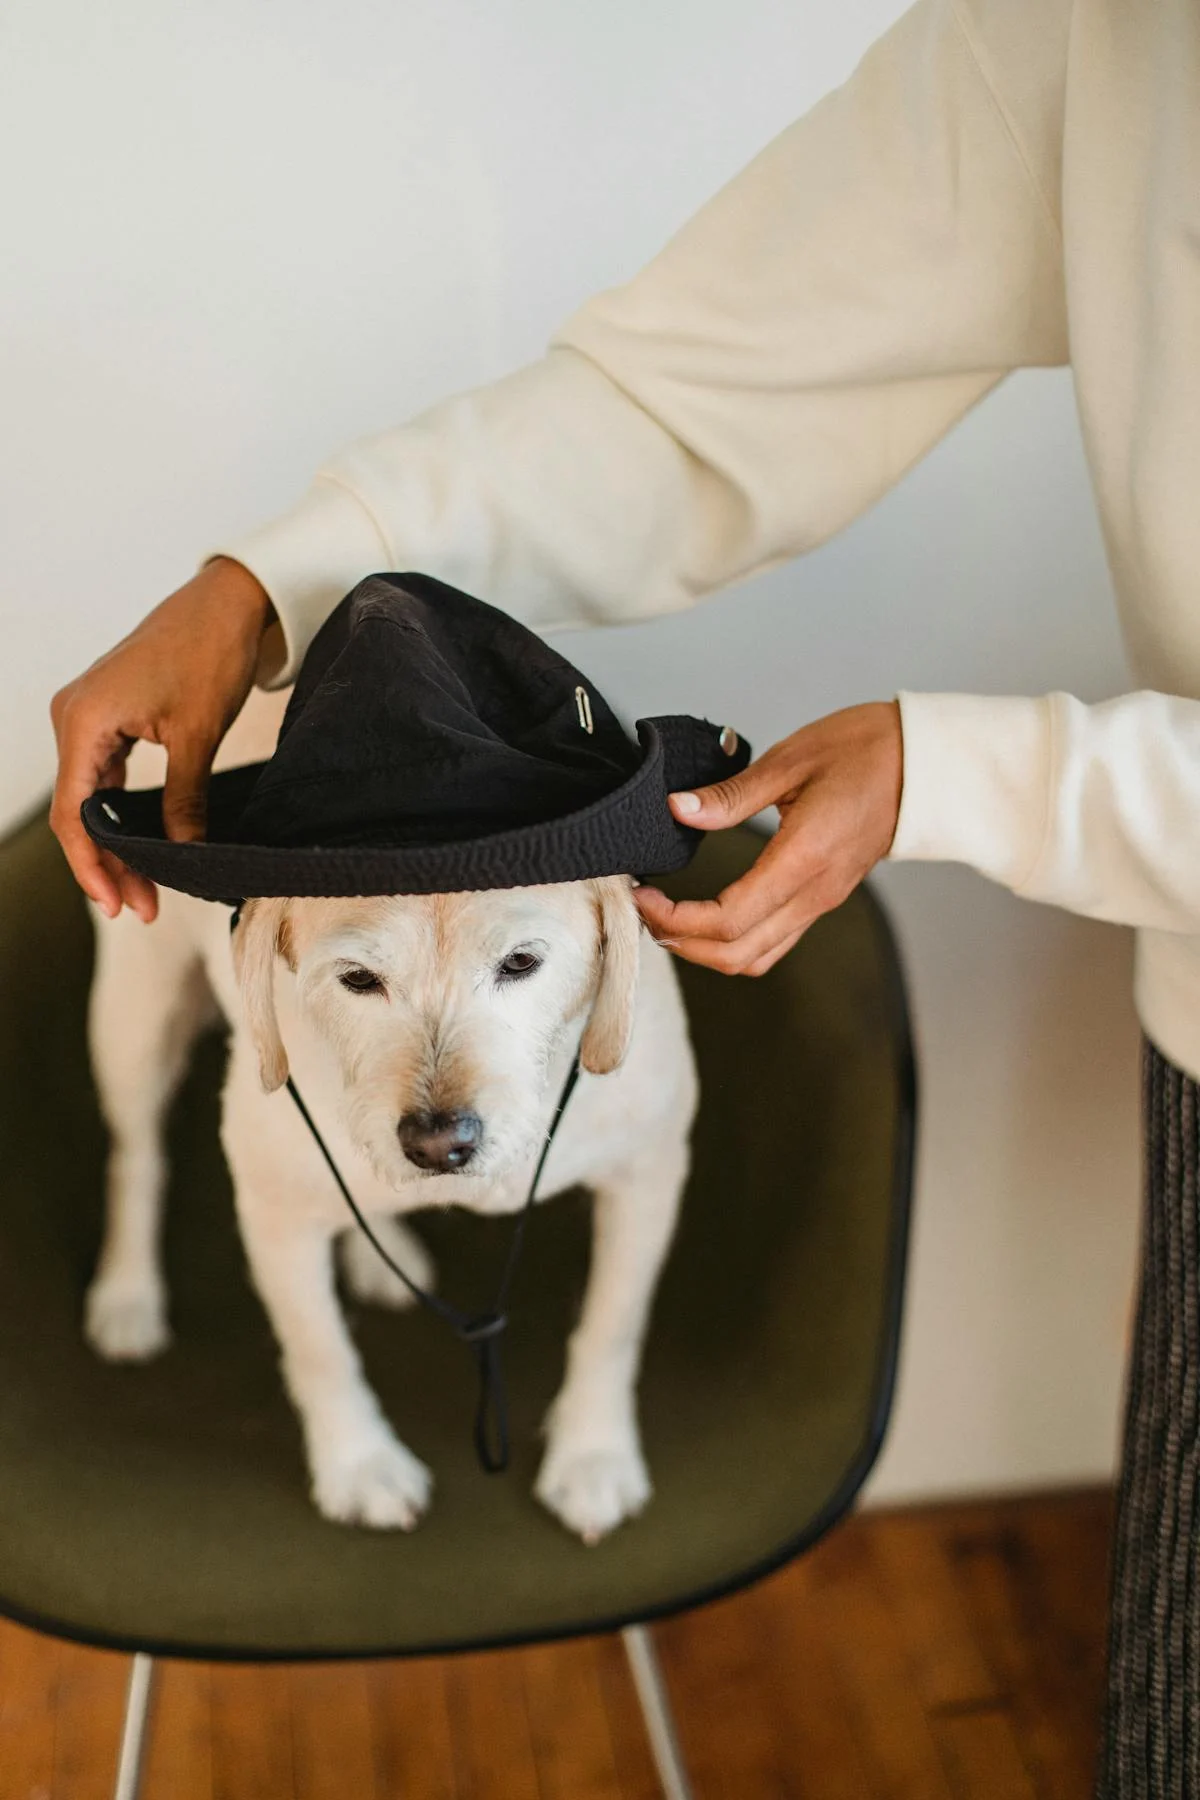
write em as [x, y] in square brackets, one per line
[307, 560]
[976, 786]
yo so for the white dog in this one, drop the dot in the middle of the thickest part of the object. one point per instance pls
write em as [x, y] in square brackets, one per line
[430, 1038]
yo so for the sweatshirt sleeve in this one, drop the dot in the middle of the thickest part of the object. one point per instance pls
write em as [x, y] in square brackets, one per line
[1092, 808]
[804, 339]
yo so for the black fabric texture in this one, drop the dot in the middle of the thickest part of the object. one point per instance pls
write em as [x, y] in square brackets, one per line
[432, 744]
[1150, 1744]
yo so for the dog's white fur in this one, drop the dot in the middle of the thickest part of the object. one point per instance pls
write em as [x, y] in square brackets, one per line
[443, 1033]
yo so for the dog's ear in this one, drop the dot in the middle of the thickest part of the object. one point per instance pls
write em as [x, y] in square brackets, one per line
[610, 1024]
[262, 934]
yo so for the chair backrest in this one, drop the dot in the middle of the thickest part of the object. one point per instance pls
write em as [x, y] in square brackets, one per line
[164, 1506]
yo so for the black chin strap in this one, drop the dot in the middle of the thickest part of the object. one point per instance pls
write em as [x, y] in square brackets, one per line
[481, 1332]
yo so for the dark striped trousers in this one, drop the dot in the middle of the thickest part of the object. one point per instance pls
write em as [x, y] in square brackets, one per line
[1151, 1741]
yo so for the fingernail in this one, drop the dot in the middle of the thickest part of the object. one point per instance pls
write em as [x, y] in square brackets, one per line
[687, 803]
[647, 893]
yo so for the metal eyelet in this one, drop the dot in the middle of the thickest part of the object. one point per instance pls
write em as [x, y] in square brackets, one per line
[728, 740]
[583, 707]
[110, 812]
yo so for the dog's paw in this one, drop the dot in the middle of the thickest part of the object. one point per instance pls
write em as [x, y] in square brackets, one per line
[368, 1276]
[377, 1483]
[124, 1323]
[592, 1491]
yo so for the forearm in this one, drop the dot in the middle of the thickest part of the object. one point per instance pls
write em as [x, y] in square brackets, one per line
[1091, 808]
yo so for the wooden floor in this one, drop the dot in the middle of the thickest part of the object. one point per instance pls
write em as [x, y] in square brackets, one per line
[946, 1654]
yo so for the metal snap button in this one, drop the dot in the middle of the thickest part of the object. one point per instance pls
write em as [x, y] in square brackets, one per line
[728, 740]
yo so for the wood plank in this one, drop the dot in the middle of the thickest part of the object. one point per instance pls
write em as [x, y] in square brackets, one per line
[1010, 1590]
[178, 1762]
[410, 1713]
[493, 1747]
[944, 1651]
[890, 1724]
[332, 1732]
[982, 1756]
[29, 1671]
[1067, 1544]
[821, 1751]
[626, 1726]
[568, 1723]
[725, 1694]
[90, 1710]
[252, 1732]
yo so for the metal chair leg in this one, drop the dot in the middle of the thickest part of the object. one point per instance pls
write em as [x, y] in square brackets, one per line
[133, 1732]
[656, 1711]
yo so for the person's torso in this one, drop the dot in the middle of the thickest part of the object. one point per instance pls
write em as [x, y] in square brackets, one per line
[1131, 229]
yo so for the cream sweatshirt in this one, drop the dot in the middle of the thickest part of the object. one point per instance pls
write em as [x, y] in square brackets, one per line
[1001, 183]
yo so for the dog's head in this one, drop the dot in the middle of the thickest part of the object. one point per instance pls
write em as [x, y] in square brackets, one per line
[447, 1012]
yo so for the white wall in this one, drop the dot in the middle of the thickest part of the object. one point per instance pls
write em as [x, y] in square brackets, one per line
[235, 237]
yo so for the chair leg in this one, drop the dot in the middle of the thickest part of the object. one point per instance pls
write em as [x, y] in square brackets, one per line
[656, 1711]
[133, 1732]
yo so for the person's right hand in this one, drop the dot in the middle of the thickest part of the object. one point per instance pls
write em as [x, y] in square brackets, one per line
[178, 679]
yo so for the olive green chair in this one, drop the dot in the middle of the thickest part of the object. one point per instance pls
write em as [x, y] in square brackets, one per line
[162, 1509]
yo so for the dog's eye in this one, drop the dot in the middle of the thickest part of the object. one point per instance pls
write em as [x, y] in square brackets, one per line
[519, 964]
[360, 981]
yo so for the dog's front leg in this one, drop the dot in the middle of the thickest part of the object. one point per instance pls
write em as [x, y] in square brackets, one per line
[593, 1474]
[149, 1000]
[361, 1473]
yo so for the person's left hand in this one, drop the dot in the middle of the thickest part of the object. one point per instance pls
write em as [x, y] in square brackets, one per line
[837, 786]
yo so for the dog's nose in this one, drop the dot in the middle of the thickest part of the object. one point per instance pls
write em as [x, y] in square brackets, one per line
[440, 1140]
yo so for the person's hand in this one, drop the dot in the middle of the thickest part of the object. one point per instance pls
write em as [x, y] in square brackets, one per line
[837, 786]
[178, 679]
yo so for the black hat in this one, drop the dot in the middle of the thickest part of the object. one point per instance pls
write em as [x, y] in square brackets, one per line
[432, 744]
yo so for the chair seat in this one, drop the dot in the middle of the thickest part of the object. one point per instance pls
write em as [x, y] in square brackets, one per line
[164, 1506]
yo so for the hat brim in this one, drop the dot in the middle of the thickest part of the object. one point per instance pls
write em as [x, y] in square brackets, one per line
[630, 831]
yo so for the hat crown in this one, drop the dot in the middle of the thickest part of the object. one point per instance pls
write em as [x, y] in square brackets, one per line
[423, 716]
